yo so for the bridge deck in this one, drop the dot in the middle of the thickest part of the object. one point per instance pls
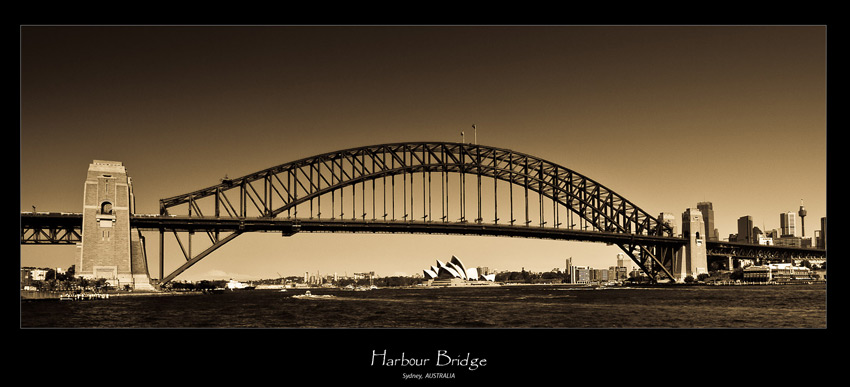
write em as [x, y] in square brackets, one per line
[291, 226]
[49, 223]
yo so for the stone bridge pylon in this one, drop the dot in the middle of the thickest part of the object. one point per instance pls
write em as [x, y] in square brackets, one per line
[110, 248]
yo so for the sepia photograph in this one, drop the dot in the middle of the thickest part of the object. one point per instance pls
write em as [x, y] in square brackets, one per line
[429, 198]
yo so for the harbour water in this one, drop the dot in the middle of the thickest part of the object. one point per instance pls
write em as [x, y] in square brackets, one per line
[540, 306]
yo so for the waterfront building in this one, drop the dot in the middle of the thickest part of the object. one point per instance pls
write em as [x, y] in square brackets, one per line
[788, 223]
[599, 275]
[623, 273]
[38, 274]
[35, 274]
[619, 273]
[822, 240]
[637, 274]
[580, 274]
[454, 272]
[781, 272]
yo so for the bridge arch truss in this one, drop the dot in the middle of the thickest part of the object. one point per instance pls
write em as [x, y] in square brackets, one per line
[435, 186]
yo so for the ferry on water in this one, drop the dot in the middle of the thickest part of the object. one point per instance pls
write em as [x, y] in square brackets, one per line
[307, 294]
[236, 285]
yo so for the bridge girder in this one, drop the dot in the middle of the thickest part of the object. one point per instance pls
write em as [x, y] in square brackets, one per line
[269, 193]
[51, 228]
[307, 179]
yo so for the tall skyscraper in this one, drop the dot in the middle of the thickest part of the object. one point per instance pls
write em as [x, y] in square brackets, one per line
[788, 224]
[707, 210]
[745, 229]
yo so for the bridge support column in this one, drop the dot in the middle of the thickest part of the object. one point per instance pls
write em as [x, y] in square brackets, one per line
[692, 259]
[111, 249]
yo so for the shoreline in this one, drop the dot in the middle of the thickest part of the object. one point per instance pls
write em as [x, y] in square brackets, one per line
[29, 295]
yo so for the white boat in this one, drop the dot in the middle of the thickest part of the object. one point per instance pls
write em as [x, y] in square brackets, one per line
[236, 285]
[307, 294]
[270, 286]
[364, 288]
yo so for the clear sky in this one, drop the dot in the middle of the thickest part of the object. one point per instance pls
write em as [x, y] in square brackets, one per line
[665, 116]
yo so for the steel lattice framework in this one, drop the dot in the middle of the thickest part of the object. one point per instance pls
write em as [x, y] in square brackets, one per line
[762, 252]
[302, 181]
[366, 186]
[51, 228]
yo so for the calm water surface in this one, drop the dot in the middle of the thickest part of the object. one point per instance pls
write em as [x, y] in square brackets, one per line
[794, 306]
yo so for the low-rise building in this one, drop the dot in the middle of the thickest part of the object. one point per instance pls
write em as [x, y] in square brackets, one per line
[781, 272]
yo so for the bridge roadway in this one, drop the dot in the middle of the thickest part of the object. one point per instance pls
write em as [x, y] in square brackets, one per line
[292, 226]
[65, 228]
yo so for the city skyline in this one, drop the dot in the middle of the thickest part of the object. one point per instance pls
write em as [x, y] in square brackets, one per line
[665, 116]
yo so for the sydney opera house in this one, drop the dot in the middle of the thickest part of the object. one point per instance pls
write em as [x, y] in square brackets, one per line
[455, 273]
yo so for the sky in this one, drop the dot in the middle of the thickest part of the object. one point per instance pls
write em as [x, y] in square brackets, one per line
[666, 116]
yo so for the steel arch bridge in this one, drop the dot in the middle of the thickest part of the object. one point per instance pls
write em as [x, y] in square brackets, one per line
[417, 187]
